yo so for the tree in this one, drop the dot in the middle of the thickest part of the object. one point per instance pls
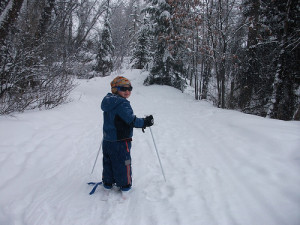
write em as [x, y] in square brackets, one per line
[88, 14]
[267, 81]
[250, 74]
[141, 51]
[3, 5]
[284, 102]
[222, 21]
[105, 51]
[9, 14]
[167, 67]
[134, 12]
[125, 22]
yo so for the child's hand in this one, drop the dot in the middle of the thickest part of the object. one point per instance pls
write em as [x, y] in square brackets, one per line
[148, 121]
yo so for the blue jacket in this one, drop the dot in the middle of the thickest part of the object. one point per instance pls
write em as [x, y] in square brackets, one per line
[119, 119]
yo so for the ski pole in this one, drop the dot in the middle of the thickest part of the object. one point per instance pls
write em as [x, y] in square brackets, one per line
[162, 170]
[97, 157]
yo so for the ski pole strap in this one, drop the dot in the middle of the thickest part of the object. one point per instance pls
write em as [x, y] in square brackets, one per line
[95, 186]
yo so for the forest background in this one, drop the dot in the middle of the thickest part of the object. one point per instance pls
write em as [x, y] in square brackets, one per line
[237, 54]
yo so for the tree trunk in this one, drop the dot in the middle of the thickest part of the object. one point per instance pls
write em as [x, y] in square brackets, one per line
[249, 75]
[297, 114]
[11, 14]
[282, 98]
[46, 19]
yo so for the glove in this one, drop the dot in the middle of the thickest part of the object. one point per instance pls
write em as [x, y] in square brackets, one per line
[148, 121]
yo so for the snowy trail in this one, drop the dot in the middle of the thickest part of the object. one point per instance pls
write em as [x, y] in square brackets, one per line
[222, 167]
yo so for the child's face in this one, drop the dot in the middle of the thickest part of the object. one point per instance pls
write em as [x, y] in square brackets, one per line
[124, 94]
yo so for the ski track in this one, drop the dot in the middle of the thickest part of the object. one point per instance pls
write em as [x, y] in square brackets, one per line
[215, 170]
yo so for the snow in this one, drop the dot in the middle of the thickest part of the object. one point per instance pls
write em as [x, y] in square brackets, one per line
[222, 167]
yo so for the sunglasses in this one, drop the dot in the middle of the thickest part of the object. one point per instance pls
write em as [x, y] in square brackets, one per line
[124, 88]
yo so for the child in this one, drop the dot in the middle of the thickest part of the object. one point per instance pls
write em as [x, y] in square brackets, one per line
[119, 121]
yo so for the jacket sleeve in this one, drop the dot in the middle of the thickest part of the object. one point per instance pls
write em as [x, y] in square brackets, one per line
[126, 113]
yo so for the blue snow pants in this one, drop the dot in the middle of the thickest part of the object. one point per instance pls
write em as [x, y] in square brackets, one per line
[117, 163]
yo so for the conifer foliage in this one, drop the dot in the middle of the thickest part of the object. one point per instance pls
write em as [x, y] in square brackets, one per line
[242, 55]
[269, 76]
[166, 67]
[283, 22]
[141, 52]
[105, 51]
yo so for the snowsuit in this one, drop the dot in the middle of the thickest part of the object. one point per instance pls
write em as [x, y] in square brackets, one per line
[119, 121]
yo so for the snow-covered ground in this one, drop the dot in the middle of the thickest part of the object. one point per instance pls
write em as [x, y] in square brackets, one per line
[222, 167]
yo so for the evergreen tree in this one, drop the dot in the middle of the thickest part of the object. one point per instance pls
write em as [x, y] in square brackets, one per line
[166, 68]
[141, 51]
[105, 51]
[283, 20]
[268, 81]
[7, 20]
[249, 76]
[135, 14]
